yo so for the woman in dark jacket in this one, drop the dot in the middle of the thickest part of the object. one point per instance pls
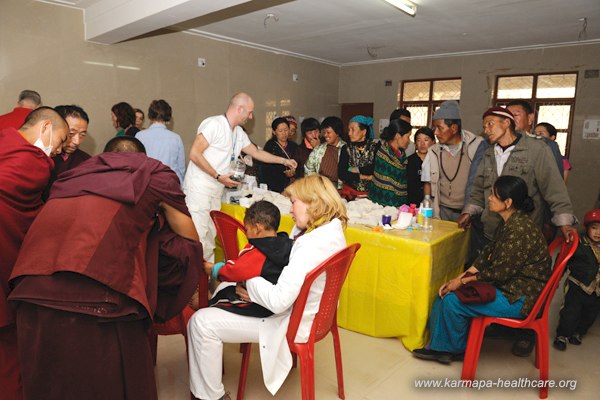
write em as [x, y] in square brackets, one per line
[517, 263]
[278, 176]
[424, 138]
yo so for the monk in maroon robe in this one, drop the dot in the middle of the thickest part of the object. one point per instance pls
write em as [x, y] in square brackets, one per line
[28, 101]
[24, 173]
[86, 297]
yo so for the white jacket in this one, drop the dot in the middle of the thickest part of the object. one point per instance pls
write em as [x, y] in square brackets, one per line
[308, 252]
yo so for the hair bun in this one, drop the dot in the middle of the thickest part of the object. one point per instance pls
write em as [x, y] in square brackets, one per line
[528, 205]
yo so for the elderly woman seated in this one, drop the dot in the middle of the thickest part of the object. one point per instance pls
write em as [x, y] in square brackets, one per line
[517, 264]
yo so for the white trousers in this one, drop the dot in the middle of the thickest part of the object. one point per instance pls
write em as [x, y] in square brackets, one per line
[200, 205]
[208, 329]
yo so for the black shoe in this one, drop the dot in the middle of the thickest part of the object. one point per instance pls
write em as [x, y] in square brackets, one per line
[523, 347]
[432, 355]
[560, 343]
[575, 339]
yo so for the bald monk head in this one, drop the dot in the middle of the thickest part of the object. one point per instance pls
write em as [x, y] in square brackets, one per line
[124, 144]
[46, 129]
[240, 110]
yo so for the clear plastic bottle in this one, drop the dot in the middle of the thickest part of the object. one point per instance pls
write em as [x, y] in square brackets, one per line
[427, 212]
[420, 215]
[239, 170]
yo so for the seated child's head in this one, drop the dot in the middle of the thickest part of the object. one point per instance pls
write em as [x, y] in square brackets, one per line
[261, 220]
[591, 220]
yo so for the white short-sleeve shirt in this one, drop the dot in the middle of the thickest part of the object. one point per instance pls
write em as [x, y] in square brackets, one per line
[224, 146]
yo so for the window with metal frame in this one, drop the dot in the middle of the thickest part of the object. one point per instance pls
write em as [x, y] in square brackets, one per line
[552, 97]
[423, 97]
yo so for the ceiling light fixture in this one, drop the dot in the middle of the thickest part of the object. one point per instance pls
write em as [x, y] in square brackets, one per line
[404, 5]
[269, 17]
[372, 51]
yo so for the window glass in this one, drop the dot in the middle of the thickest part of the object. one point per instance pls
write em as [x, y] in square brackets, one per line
[553, 99]
[559, 116]
[446, 90]
[416, 91]
[515, 87]
[421, 98]
[556, 86]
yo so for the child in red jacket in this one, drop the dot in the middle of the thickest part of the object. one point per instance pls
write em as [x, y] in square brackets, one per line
[266, 254]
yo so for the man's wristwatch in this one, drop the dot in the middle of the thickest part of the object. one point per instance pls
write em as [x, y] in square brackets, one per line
[217, 176]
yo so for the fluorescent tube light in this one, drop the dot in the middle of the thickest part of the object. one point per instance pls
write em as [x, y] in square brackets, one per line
[404, 5]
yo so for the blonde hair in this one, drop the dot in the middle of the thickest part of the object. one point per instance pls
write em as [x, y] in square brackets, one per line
[323, 201]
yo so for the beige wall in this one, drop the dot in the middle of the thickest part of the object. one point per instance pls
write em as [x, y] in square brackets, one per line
[365, 83]
[42, 48]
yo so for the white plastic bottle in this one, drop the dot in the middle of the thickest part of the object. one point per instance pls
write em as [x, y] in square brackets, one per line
[427, 212]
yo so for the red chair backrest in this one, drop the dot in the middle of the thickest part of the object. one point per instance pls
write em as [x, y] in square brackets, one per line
[336, 268]
[227, 229]
[566, 250]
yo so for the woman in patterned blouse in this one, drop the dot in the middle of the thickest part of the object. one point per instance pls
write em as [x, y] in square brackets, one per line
[357, 158]
[517, 263]
[389, 176]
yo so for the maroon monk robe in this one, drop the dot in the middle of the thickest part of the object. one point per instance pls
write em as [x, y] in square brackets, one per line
[93, 280]
[62, 164]
[15, 118]
[24, 172]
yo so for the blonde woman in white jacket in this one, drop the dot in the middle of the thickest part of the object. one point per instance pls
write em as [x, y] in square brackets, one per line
[320, 217]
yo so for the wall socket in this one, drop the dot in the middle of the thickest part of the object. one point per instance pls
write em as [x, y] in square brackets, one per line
[295, 77]
[201, 62]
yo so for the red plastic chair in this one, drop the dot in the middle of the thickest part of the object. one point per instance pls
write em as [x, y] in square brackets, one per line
[227, 232]
[536, 320]
[336, 268]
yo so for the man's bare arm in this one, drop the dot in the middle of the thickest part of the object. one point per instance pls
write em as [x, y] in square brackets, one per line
[197, 157]
[180, 223]
[267, 157]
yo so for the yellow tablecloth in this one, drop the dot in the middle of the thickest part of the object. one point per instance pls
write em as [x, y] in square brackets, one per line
[394, 278]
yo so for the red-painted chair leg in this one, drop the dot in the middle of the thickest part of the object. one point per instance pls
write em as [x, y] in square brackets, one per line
[338, 360]
[307, 370]
[245, 348]
[473, 349]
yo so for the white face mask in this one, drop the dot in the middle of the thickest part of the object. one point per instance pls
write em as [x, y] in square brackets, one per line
[40, 143]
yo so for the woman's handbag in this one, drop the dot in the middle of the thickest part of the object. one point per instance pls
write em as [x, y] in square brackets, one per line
[476, 292]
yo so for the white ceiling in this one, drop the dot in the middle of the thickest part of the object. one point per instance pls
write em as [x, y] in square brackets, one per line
[344, 32]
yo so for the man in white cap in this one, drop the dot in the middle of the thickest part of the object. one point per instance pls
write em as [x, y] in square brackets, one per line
[446, 167]
[513, 153]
